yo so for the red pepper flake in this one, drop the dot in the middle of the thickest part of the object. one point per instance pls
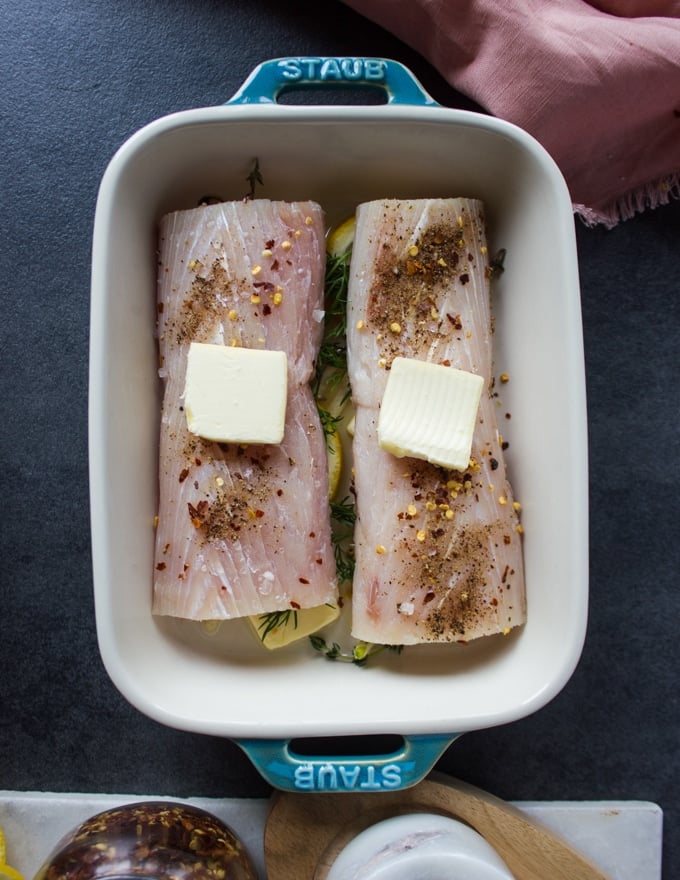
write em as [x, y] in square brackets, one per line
[319, 560]
[266, 309]
[312, 534]
[269, 244]
[183, 474]
[160, 307]
[161, 566]
[259, 514]
[295, 605]
[198, 462]
[455, 320]
[429, 596]
[198, 513]
[279, 492]
[303, 580]
[464, 278]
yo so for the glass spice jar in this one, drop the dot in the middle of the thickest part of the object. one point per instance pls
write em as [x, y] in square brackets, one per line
[162, 840]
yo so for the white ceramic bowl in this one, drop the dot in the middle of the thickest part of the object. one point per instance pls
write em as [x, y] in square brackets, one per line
[226, 685]
[425, 846]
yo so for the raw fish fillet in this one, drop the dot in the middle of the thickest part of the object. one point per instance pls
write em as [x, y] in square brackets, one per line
[438, 552]
[242, 530]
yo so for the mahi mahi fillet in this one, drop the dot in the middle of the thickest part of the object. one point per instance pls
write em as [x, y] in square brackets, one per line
[438, 552]
[242, 530]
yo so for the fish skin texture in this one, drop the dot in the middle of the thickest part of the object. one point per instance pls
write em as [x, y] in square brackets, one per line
[242, 530]
[438, 552]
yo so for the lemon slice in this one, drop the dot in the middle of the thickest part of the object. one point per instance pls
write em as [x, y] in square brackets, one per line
[6, 871]
[285, 627]
[341, 238]
[334, 451]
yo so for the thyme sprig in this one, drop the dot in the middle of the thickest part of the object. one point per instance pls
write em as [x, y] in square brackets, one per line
[497, 263]
[359, 655]
[253, 178]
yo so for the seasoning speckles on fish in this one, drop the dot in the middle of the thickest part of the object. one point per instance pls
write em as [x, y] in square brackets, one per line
[229, 542]
[450, 565]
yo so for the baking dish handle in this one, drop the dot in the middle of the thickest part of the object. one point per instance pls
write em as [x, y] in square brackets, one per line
[271, 78]
[284, 769]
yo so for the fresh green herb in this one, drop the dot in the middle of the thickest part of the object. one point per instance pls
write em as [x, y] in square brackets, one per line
[254, 178]
[329, 423]
[273, 620]
[344, 511]
[343, 514]
[497, 263]
[331, 363]
[359, 654]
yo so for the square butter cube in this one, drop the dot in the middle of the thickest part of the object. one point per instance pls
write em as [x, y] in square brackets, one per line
[429, 411]
[236, 395]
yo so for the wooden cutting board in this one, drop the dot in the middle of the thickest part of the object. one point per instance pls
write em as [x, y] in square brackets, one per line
[305, 832]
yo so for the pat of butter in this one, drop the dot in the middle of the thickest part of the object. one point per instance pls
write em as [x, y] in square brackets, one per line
[429, 411]
[236, 395]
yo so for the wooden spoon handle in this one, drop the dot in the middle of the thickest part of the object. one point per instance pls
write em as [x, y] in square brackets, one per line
[305, 832]
[531, 851]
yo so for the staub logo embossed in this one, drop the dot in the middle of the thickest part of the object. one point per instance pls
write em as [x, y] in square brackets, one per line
[333, 69]
[347, 777]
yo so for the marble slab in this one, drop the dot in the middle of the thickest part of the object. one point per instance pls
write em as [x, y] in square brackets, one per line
[624, 838]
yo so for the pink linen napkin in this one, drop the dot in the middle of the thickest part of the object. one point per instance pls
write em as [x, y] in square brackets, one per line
[596, 83]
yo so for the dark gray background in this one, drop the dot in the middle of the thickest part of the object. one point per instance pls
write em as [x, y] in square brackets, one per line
[77, 78]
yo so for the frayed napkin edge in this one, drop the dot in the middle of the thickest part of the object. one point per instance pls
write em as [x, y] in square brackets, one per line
[626, 206]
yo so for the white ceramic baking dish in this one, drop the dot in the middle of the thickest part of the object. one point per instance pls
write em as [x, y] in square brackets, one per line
[226, 684]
